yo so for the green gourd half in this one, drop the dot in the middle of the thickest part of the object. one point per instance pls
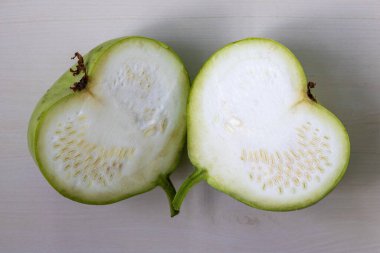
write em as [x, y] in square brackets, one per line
[256, 133]
[115, 125]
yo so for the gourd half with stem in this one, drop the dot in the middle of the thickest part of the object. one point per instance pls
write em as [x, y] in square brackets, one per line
[114, 125]
[256, 132]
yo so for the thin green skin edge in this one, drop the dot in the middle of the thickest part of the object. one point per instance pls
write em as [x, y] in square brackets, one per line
[191, 180]
[60, 90]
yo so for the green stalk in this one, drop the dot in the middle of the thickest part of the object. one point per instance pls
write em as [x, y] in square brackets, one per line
[167, 185]
[193, 179]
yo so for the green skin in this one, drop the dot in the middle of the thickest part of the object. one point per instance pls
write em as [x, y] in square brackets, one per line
[60, 91]
[200, 172]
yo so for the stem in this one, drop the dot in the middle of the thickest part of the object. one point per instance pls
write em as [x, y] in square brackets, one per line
[167, 186]
[81, 67]
[193, 179]
[311, 85]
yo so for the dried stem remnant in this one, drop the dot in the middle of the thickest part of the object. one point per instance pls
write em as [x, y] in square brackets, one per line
[78, 86]
[311, 85]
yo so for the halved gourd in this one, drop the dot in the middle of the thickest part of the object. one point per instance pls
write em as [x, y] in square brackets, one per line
[256, 133]
[120, 129]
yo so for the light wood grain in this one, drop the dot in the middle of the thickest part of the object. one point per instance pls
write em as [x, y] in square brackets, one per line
[338, 43]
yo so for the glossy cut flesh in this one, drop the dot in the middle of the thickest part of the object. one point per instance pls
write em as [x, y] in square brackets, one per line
[120, 136]
[254, 134]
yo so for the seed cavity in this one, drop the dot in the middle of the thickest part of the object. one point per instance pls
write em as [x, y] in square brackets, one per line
[291, 169]
[91, 164]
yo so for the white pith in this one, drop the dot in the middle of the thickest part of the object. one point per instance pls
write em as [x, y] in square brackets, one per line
[116, 138]
[257, 134]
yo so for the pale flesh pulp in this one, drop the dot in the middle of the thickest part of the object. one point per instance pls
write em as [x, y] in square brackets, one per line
[256, 135]
[124, 132]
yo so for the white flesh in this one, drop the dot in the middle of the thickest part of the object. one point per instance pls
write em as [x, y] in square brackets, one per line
[115, 139]
[257, 134]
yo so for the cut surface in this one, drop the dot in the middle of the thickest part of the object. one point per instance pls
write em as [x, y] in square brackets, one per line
[118, 136]
[256, 133]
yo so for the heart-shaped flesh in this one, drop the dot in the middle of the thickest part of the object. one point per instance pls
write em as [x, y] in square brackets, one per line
[257, 135]
[120, 134]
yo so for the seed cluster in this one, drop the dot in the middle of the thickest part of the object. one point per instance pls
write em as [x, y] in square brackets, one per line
[293, 168]
[158, 127]
[86, 161]
[134, 76]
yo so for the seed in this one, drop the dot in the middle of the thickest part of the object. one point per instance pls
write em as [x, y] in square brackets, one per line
[301, 152]
[243, 155]
[271, 160]
[278, 157]
[325, 145]
[294, 154]
[163, 125]
[97, 161]
[250, 156]
[302, 144]
[150, 131]
[57, 157]
[301, 136]
[66, 167]
[288, 157]
[256, 157]
[131, 151]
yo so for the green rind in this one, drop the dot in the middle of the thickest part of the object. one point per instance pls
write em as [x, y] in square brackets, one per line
[193, 145]
[60, 91]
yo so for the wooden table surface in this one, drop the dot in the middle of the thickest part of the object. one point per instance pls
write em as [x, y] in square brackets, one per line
[338, 43]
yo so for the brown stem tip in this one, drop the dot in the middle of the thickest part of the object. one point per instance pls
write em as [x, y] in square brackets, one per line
[311, 85]
[78, 86]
